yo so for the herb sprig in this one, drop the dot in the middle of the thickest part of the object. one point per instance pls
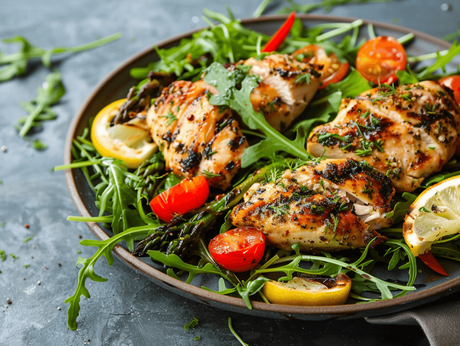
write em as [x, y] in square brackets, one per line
[16, 63]
[47, 95]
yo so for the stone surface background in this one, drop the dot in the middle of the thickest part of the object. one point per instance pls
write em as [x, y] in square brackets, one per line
[128, 309]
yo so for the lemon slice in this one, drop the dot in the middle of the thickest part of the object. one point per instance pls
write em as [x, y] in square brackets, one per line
[433, 215]
[130, 142]
[303, 292]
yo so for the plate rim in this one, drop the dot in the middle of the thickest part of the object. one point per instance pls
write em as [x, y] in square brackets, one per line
[198, 292]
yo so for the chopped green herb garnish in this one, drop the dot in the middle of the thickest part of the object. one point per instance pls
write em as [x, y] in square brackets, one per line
[424, 210]
[192, 324]
[210, 175]
[344, 206]
[171, 118]
[304, 78]
[280, 210]
[13, 256]
[39, 145]
[2, 255]
[26, 266]
[27, 239]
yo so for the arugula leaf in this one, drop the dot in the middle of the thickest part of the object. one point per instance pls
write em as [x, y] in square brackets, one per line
[105, 248]
[436, 178]
[440, 63]
[250, 288]
[16, 64]
[400, 209]
[239, 100]
[234, 333]
[349, 87]
[124, 212]
[2, 255]
[47, 95]
[407, 76]
[175, 261]
[453, 35]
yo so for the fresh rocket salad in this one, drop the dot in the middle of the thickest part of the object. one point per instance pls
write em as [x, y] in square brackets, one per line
[277, 163]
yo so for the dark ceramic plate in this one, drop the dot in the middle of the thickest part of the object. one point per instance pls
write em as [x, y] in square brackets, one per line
[115, 86]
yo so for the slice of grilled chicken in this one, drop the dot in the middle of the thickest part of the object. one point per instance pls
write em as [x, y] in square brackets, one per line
[335, 205]
[407, 133]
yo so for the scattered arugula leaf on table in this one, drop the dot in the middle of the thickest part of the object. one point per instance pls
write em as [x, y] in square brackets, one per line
[2, 255]
[16, 63]
[47, 95]
[105, 248]
[192, 324]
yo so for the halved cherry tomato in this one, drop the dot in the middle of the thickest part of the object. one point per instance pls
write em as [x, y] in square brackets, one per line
[379, 59]
[187, 195]
[279, 36]
[452, 82]
[333, 69]
[432, 262]
[239, 249]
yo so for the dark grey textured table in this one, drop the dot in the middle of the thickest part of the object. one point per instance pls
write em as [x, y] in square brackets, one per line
[128, 309]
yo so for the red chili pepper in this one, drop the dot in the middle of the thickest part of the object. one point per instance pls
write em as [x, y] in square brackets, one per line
[280, 35]
[433, 263]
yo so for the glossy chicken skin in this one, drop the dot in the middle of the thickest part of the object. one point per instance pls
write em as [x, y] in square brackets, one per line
[334, 205]
[407, 133]
[196, 137]
[279, 97]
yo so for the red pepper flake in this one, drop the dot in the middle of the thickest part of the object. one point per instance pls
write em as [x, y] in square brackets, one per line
[26, 225]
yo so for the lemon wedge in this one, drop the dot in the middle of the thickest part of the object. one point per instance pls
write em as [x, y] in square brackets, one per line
[433, 215]
[307, 292]
[130, 141]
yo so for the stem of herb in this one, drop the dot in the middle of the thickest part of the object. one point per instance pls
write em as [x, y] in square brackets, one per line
[406, 38]
[77, 165]
[345, 28]
[234, 333]
[102, 219]
[371, 31]
[426, 56]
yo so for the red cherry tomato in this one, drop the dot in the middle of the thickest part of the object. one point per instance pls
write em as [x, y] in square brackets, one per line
[333, 69]
[239, 249]
[187, 195]
[452, 82]
[379, 59]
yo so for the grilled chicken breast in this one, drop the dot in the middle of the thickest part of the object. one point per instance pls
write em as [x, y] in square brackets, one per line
[196, 137]
[334, 205]
[406, 133]
[286, 89]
